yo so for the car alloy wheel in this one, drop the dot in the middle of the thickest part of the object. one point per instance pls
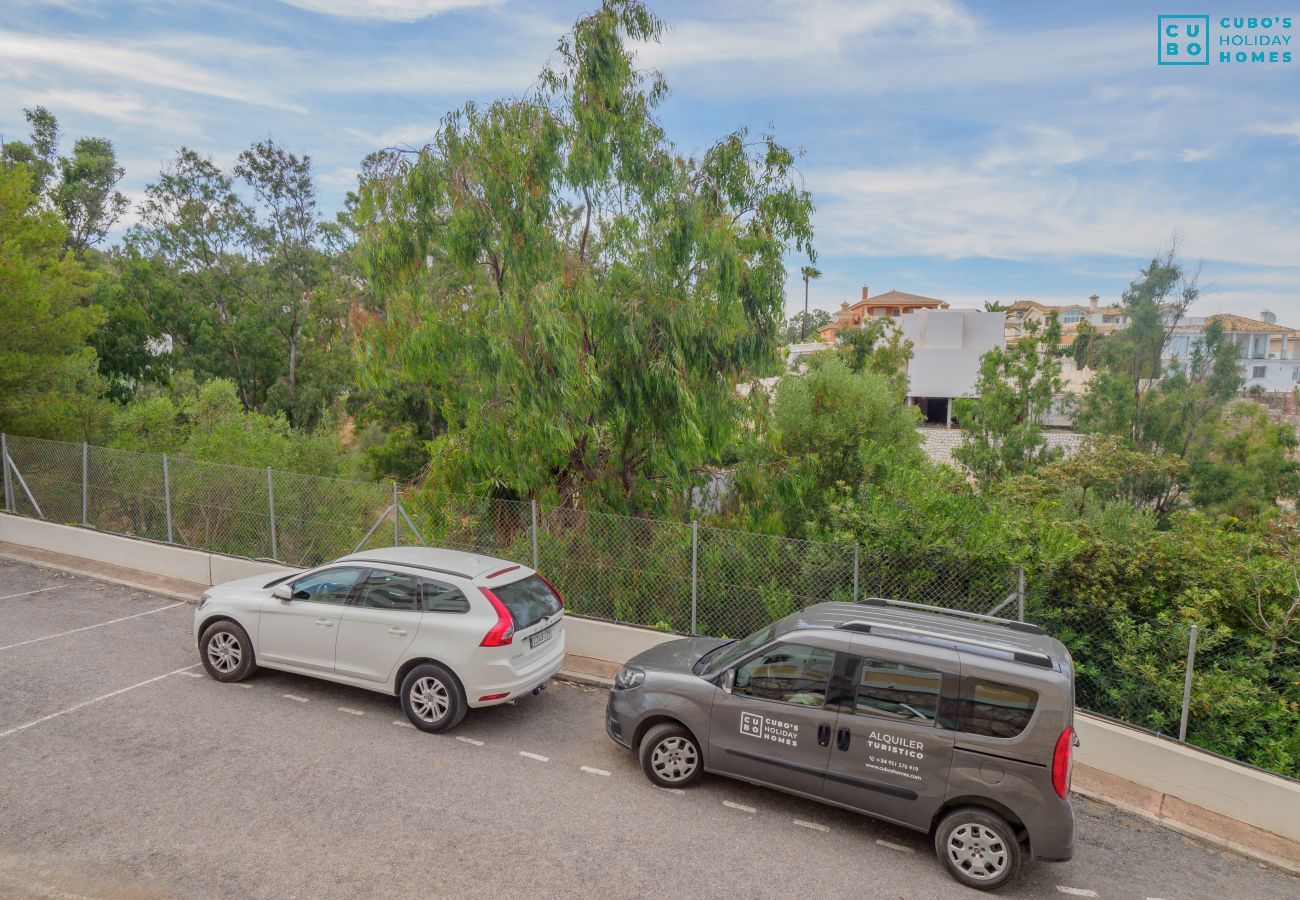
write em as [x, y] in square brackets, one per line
[674, 759]
[978, 851]
[224, 652]
[430, 699]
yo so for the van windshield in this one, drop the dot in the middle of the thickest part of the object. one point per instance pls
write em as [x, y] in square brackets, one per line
[529, 600]
[722, 656]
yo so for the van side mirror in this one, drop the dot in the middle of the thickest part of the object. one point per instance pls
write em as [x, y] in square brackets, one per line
[282, 592]
[728, 680]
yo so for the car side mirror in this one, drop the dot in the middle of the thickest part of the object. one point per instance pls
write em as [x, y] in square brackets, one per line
[282, 592]
[728, 680]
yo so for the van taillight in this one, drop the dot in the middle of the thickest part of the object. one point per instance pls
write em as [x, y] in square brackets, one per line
[503, 632]
[558, 598]
[1061, 762]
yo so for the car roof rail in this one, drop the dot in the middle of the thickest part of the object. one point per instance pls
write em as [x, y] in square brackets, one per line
[953, 642]
[1013, 624]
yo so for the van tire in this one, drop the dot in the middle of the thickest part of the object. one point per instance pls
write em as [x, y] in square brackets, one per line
[670, 756]
[978, 848]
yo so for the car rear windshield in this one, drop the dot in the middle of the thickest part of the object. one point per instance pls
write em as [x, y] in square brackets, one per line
[529, 600]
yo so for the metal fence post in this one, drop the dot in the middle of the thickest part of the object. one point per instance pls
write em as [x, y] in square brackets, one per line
[85, 481]
[167, 497]
[270, 503]
[397, 537]
[855, 573]
[1020, 591]
[536, 560]
[695, 572]
[4, 461]
[1187, 685]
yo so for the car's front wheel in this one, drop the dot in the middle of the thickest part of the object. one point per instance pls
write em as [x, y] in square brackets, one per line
[226, 651]
[432, 698]
[979, 848]
[670, 756]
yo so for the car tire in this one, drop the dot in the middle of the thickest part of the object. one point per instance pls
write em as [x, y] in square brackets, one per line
[226, 651]
[979, 848]
[670, 756]
[432, 698]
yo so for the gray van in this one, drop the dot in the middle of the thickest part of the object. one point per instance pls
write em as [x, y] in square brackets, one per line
[954, 724]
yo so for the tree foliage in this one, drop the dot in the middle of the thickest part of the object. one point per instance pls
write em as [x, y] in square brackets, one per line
[578, 297]
[879, 347]
[48, 382]
[1003, 433]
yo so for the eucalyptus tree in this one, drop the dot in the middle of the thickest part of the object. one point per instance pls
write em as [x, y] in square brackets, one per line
[581, 298]
[193, 222]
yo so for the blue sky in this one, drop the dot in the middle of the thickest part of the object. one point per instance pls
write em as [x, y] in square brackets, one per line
[969, 151]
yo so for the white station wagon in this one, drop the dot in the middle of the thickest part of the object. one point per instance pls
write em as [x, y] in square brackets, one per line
[443, 630]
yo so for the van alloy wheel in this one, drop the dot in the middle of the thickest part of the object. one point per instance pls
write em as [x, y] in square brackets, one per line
[674, 759]
[978, 850]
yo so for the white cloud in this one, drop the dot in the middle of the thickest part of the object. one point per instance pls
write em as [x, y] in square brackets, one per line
[812, 30]
[29, 55]
[951, 212]
[386, 10]
[1285, 129]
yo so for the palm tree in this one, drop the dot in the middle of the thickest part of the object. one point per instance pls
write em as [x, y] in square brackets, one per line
[808, 273]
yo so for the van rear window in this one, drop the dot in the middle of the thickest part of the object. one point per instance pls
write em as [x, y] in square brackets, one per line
[995, 710]
[529, 600]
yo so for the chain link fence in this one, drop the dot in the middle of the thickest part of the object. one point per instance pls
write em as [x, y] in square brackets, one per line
[680, 577]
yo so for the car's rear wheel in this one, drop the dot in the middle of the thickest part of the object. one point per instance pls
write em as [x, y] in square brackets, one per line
[979, 848]
[226, 651]
[432, 698]
[670, 756]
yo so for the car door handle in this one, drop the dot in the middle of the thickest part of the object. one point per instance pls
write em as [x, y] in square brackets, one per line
[325, 623]
[842, 739]
[824, 735]
[397, 631]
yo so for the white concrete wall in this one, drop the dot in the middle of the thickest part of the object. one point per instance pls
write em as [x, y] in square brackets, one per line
[946, 348]
[194, 566]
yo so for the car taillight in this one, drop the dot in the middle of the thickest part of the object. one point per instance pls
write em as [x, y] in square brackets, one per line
[503, 632]
[553, 590]
[1061, 762]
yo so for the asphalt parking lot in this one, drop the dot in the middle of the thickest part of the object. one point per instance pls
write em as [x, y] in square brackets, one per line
[126, 772]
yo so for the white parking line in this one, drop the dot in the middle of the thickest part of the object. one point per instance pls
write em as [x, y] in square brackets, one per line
[193, 674]
[536, 756]
[739, 806]
[591, 771]
[466, 740]
[404, 724]
[64, 712]
[678, 791]
[37, 591]
[1076, 892]
[247, 687]
[813, 825]
[88, 627]
[351, 712]
[294, 697]
[892, 846]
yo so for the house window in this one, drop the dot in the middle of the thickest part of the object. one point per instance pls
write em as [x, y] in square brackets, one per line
[1259, 371]
[1295, 374]
[1072, 318]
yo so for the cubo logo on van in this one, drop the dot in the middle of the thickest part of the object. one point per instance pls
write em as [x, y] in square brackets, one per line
[775, 730]
[1183, 40]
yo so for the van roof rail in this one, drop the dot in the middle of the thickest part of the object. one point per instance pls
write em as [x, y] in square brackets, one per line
[1014, 625]
[938, 638]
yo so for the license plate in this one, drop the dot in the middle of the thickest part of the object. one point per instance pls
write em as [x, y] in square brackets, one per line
[541, 637]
